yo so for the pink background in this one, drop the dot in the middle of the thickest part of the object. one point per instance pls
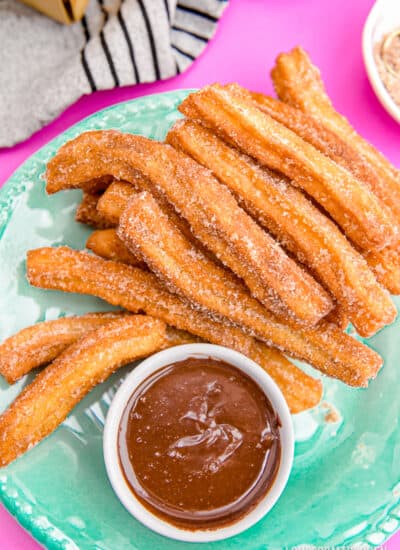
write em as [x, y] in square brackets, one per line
[250, 35]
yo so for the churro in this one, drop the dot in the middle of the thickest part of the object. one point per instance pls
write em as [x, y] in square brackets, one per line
[325, 346]
[46, 402]
[350, 203]
[107, 244]
[88, 214]
[272, 277]
[113, 201]
[297, 224]
[39, 344]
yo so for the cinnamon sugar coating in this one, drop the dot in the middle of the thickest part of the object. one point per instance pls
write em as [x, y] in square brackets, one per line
[297, 224]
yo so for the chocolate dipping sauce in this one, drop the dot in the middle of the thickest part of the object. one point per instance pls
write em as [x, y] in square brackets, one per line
[199, 443]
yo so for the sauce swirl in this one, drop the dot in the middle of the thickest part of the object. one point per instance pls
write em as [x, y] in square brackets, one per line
[199, 443]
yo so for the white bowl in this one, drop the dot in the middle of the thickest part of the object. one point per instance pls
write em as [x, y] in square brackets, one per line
[383, 18]
[110, 441]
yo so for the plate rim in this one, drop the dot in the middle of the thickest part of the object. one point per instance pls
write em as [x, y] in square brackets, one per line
[9, 193]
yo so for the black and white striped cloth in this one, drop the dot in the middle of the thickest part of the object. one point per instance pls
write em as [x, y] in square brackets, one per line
[44, 66]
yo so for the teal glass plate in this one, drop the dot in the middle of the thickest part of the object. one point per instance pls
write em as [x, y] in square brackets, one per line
[344, 488]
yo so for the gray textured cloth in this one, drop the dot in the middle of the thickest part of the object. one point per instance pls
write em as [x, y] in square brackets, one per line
[45, 66]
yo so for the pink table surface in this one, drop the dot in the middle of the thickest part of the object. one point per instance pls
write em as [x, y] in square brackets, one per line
[249, 37]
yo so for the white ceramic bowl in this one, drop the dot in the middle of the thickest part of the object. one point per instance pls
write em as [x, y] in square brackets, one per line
[383, 18]
[110, 441]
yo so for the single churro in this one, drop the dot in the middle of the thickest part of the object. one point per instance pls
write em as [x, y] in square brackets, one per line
[39, 344]
[46, 402]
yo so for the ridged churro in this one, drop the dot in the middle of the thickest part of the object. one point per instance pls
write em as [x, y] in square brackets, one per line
[113, 201]
[88, 214]
[275, 279]
[46, 402]
[107, 244]
[297, 224]
[350, 203]
[313, 131]
[39, 344]
[325, 347]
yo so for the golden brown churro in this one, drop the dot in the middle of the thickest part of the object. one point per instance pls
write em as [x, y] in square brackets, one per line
[325, 347]
[88, 214]
[276, 280]
[113, 201]
[296, 223]
[46, 402]
[350, 203]
[39, 344]
[107, 244]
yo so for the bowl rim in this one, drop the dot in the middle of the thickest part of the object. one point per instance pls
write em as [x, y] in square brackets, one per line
[374, 78]
[110, 441]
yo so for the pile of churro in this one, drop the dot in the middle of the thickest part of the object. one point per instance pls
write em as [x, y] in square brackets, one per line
[264, 225]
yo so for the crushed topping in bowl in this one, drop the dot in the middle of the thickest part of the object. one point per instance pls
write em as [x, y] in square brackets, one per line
[387, 58]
